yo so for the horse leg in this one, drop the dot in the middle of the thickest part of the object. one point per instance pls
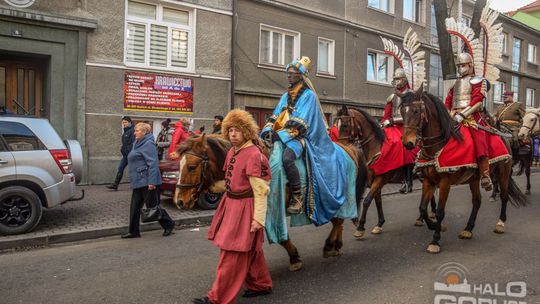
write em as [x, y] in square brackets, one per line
[427, 194]
[295, 262]
[476, 202]
[360, 229]
[495, 191]
[505, 176]
[444, 190]
[329, 249]
[378, 202]
[433, 204]
[528, 173]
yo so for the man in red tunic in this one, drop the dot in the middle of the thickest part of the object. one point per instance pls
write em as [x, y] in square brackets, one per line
[392, 120]
[464, 101]
[237, 224]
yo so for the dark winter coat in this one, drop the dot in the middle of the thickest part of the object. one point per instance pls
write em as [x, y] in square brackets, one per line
[127, 140]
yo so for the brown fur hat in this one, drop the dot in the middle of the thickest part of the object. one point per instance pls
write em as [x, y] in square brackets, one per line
[242, 120]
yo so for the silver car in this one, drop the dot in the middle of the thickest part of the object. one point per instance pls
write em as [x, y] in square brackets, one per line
[37, 170]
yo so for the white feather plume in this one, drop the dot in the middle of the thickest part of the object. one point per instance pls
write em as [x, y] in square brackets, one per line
[493, 43]
[411, 44]
[392, 49]
[473, 45]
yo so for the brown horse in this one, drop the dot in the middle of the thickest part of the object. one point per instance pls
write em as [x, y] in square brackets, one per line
[358, 128]
[426, 121]
[201, 169]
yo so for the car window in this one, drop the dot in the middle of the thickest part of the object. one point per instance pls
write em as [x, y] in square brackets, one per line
[19, 137]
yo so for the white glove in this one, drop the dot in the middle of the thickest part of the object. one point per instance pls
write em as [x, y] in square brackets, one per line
[459, 118]
[386, 123]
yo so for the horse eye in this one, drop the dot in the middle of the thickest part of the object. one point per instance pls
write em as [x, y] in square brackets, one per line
[192, 168]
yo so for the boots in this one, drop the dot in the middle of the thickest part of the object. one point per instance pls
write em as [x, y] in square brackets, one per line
[114, 186]
[296, 203]
[408, 181]
[485, 180]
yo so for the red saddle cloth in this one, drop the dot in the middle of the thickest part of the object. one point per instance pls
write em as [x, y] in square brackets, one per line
[458, 154]
[393, 154]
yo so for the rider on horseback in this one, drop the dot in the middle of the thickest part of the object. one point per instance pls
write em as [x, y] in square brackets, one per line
[392, 116]
[510, 116]
[464, 101]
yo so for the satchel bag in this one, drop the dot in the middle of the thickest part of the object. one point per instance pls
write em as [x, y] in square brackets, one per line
[151, 214]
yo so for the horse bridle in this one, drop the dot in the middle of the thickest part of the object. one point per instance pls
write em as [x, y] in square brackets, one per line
[534, 124]
[356, 131]
[202, 176]
[419, 135]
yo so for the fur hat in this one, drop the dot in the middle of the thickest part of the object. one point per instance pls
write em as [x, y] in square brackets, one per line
[242, 120]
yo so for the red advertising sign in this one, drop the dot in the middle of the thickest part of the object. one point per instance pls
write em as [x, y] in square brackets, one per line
[158, 93]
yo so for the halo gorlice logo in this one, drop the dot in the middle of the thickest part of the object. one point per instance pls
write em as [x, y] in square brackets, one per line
[452, 287]
[20, 3]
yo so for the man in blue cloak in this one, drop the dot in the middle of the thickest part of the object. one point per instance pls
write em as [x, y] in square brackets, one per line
[299, 123]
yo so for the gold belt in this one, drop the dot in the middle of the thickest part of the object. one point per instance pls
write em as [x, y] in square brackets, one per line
[511, 122]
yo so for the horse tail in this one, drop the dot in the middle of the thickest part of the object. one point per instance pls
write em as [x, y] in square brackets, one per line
[521, 167]
[361, 180]
[516, 197]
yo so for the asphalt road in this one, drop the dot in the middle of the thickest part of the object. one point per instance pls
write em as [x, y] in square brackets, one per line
[389, 268]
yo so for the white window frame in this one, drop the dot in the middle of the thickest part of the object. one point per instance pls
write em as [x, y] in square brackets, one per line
[529, 97]
[519, 54]
[420, 19]
[390, 67]
[272, 29]
[391, 5]
[190, 29]
[497, 98]
[515, 88]
[331, 56]
[531, 57]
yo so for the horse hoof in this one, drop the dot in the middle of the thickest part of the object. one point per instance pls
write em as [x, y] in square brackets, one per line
[376, 230]
[499, 228]
[465, 235]
[432, 248]
[419, 223]
[528, 192]
[295, 266]
[492, 199]
[432, 216]
[359, 234]
[331, 254]
[443, 228]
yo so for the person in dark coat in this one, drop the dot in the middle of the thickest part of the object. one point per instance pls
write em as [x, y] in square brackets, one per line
[127, 143]
[145, 178]
[218, 119]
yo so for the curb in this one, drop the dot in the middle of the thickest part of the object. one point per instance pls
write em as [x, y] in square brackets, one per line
[45, 239]
[22, 241]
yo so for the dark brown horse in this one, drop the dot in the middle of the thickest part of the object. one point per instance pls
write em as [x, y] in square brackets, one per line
[358, 128]
[201, 169]
[426, 121]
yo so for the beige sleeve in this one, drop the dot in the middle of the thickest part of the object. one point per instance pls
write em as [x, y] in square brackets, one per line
[260, 192]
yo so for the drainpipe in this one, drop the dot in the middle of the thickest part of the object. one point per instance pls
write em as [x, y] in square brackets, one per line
[233, 53]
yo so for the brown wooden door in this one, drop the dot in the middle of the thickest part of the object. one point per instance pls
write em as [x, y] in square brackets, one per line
[260, 115]
[21, 87]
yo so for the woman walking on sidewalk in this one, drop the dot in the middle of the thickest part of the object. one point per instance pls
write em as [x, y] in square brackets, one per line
[145, 178]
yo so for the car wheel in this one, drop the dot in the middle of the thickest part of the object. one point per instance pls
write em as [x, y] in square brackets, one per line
[209, 200]
[20, 210]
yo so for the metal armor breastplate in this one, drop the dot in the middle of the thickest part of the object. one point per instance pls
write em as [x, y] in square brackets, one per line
[462, 93]
[396, 101]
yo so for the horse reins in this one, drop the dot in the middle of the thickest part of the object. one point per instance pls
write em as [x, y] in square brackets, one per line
[420, 137]
[202, 177]
[356, 132]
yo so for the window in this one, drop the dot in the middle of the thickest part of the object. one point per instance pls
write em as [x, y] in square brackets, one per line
[159, 37]
[498, 89]
[435, 76]
[515, 87]
[434, 36]
[531, 53]
[379, 67]
[529, 100]
[412, 10]
[504, 40]
[383, 5]
[278, 46]
[325, 63]
[19, 137]
[516, 54]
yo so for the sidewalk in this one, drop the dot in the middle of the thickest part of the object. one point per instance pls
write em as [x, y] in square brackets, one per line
[104, 213]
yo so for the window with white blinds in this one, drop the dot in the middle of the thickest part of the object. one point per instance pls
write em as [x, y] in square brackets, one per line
[158, 36]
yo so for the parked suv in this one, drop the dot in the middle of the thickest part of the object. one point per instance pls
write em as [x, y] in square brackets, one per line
[37, 170]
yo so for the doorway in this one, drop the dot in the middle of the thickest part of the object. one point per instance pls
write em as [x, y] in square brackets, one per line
[21, 87]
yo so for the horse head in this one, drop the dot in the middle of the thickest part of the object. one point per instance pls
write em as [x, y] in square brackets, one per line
[530, 125]
[413, 111]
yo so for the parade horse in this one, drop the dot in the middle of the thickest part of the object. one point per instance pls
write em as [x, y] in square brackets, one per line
[201, 169]
[356, 127]
[522, 156]
[428, 123]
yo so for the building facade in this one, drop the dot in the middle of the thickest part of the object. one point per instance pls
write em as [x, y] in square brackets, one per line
[84, 64]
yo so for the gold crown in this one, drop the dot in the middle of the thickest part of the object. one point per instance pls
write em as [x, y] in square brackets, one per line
[305, 61]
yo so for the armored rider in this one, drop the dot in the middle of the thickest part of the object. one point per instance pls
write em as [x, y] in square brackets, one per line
[464, 101]
[392, 117]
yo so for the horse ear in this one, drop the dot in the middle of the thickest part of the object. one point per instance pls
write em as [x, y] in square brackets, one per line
[201, 141]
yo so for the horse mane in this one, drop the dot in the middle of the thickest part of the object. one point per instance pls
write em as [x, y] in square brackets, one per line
[375, 126]
[447, 123]
[532, 110]
[220, 146]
